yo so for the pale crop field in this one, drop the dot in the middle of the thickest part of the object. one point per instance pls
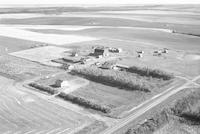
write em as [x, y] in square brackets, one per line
[150, 12]
[56, 27]
[46, 38]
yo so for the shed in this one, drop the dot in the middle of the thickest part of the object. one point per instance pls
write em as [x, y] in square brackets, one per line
[140, 55]
[157, 53]
[61, 83]
[122, 67]
[140, 52]
[74, 54]
[165, 50]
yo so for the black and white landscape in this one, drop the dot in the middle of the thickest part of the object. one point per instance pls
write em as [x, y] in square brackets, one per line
[129, 69]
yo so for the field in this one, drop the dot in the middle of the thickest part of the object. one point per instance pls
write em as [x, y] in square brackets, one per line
[45, 38]
[20, 69]
[8, 44]
[150, 36]
[42, 55]
[23, 112]
[30, 38]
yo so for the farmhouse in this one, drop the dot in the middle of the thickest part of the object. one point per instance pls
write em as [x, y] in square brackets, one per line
[61, 83]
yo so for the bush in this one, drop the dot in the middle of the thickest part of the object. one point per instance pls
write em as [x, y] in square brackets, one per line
[184, 108]
[83, 102]
[150, 72]
[43, 88]
[190, 118]
[115, 78]
[152, 124]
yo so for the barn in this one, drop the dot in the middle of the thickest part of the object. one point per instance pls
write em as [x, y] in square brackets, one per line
[101, 51]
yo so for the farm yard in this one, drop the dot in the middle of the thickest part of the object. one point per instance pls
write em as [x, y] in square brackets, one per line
[81, 70]
[187, 61]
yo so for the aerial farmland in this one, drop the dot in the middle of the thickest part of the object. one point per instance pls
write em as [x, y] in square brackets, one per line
[100, 70]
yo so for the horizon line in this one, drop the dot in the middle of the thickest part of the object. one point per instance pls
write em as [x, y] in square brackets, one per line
[89, 5]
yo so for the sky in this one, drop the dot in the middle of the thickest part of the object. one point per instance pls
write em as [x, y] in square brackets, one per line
[96, 2]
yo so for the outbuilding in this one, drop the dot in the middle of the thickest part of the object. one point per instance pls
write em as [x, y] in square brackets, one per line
[74, 54]
[101, 51]
[140, 55]
[165, 50]
[61, 83]
[108, 65]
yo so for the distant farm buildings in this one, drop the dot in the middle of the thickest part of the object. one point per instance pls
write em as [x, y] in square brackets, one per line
[159, 52]
[165, 50]
[115, 50]
[140, 54]
[102, 51]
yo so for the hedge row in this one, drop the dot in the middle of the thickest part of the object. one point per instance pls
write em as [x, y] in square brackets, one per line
[145, 71]
[43, 88]
[120, 79]
[182, 107]
[83, 102]
[151, 125]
